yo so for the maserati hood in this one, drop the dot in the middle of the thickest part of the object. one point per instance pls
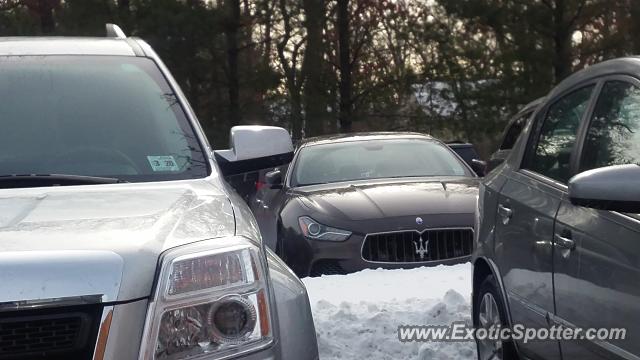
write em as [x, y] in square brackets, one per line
[387, 199]
[101, 240]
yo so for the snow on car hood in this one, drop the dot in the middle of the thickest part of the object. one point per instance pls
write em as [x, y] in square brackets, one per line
[392, 198]
[101, 239]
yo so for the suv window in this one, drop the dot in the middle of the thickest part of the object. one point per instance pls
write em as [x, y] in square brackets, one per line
[613, 137]
[107, 116]
[552, 154]
[514, 131]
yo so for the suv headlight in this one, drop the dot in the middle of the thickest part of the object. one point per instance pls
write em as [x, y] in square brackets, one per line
[211, 301]
[314, 230]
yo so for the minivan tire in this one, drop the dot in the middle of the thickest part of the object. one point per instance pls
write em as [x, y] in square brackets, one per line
[488, 289]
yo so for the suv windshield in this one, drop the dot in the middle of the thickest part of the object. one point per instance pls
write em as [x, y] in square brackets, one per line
[106, 116]
[375, 159]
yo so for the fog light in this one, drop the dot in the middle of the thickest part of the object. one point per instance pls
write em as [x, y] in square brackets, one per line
[232, 320]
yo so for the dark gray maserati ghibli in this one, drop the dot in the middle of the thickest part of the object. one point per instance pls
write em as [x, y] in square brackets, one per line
[350, 202]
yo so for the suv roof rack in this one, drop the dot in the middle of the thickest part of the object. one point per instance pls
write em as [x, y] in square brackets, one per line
[114, 31]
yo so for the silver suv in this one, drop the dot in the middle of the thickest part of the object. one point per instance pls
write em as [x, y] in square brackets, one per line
[118, 237]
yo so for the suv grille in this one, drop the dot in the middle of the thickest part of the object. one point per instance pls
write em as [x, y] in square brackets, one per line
[413, 246]
[49, 334]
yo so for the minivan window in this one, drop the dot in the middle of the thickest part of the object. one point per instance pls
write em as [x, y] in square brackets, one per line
[613, 137]
[107, 116]
[553, 148]
[512, 134]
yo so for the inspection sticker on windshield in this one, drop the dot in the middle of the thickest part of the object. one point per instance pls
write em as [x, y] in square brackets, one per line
[163, 163]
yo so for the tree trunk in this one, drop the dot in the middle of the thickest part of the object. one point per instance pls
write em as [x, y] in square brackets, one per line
[635, 27]
[314, 95]
[562, 42]
[268, 41]
[346, 86]
[44, 8]
[124, 14]
[231, 34]
[293, 81]
[124, 5]
[296, 116]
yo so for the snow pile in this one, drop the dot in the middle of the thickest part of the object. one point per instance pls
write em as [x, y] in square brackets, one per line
[357, 316]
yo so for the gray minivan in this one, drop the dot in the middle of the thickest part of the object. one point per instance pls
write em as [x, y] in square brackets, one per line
[558, 224]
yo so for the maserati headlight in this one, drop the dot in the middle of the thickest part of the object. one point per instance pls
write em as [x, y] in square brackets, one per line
[314, 230]
[211, 301]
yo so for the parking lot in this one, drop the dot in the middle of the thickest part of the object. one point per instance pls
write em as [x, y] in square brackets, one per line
[319, 179]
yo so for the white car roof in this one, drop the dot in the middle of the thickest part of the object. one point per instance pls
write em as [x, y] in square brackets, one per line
[24, 46]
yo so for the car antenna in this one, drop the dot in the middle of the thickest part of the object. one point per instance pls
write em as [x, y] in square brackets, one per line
[114, 31]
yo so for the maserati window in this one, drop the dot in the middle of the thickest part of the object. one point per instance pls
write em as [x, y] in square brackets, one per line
[92, 118]
[375, 159]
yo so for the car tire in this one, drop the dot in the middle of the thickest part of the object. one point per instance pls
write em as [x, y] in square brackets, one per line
[488, 304]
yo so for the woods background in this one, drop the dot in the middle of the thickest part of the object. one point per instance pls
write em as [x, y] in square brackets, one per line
[453, 68]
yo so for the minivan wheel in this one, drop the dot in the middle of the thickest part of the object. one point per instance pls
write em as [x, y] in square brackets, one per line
[489, 311]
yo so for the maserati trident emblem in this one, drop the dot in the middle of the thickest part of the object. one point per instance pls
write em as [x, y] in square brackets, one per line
[422, 247]
[419, 220]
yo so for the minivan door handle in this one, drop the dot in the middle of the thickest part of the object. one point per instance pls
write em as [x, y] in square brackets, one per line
[565, 241]
[505, 212]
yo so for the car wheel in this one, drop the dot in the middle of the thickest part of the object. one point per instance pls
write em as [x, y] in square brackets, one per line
[489, 311]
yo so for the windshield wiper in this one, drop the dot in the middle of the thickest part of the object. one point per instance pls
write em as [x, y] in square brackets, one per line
[40, 180]
[311, 184]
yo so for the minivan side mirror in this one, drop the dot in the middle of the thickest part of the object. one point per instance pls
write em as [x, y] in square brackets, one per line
[613, 188]
[479, 166]
[274, 179]
[254, 147]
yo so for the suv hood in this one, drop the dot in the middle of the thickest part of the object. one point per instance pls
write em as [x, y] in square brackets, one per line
[391, 198]
[101, 240]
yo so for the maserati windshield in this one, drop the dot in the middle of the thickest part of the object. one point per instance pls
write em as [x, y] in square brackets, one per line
[93, 116]
[375, 159]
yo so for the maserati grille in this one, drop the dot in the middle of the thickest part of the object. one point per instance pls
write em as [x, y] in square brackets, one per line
[415, 246]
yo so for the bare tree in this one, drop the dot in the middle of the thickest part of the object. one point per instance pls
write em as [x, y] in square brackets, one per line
[289, 49]
[346, 85]
[315, 90]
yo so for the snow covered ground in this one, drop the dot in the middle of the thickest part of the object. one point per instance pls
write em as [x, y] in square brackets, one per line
[357, 315]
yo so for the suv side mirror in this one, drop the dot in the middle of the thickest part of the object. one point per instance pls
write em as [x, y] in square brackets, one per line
[253, 148]
[479, 166]
[274, 179]
[613, 188]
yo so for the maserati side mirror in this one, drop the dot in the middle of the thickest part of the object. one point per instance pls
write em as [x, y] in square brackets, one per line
[274, 179]
[479, 166]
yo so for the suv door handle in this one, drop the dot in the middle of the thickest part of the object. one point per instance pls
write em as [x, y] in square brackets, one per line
[505, 212]
[565, 242]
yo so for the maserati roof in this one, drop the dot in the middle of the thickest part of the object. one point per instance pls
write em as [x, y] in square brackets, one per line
[362, 136]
